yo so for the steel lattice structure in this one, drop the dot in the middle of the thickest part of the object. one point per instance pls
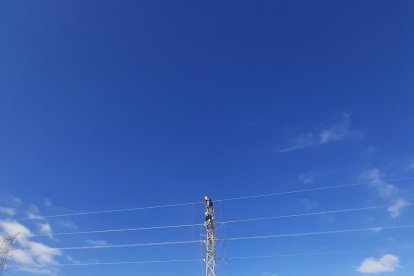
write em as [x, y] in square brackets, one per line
[210, 239]
[5, 250]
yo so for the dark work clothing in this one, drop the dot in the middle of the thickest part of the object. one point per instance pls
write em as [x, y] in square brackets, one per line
[209, 203]
[208, 217]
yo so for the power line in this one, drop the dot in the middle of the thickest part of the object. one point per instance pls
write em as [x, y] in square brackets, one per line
[291, 255]
[193, 260]
[305, 214]
[119, 230]
[355, 230]
[223, 222]
[109, 211]
[129, 245]
[318, 233]
[313, 189]
[218, 200]
[124, 263]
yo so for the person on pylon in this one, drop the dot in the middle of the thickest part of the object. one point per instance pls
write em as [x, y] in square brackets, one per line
[209, 202]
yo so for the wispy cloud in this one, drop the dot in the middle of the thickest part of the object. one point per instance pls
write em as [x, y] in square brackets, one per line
[7, 211]
[68, 224]
[386, 191]
[307, 178]
[33, 211]
[15, 199]
[387, 263]
[269, 274]
[337, 132]
[47, 202]
[45, 229]
[397, 206]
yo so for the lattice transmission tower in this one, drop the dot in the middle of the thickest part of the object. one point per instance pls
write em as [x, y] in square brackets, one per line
[5, 250]
[210, 238]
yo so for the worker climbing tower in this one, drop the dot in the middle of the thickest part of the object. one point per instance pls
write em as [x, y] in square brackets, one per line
[210, 239]
[5, 250]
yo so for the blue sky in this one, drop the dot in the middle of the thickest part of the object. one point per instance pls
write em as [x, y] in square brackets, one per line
[107, 105]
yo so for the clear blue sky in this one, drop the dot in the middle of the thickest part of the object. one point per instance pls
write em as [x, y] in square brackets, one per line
[118, 104]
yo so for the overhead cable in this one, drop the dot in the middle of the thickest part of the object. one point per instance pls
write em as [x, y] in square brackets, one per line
[217, 200]
[302, 234]
[189, 260]
[312, 189]
[222, 222]
[375, 229]
[114, 263]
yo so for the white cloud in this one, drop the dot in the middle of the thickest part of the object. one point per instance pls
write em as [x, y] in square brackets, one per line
[33, 212]
[48, 202]
[97, 242]
[67, 224]
[22, 257]
[31, 215]
[386, 191]
[7, 211]
[388, 263]
[16, 199]
[395, 209]
[33, 208]
[8, 227]
[339, 131]
[306, 178]
[43, 253]
[45, 229]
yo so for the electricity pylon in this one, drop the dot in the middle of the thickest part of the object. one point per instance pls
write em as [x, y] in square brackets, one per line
[210, 239]
[5, 250]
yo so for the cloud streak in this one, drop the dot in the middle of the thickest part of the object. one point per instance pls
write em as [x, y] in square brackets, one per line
[386, 191]
[7, 211]
[337, 132]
